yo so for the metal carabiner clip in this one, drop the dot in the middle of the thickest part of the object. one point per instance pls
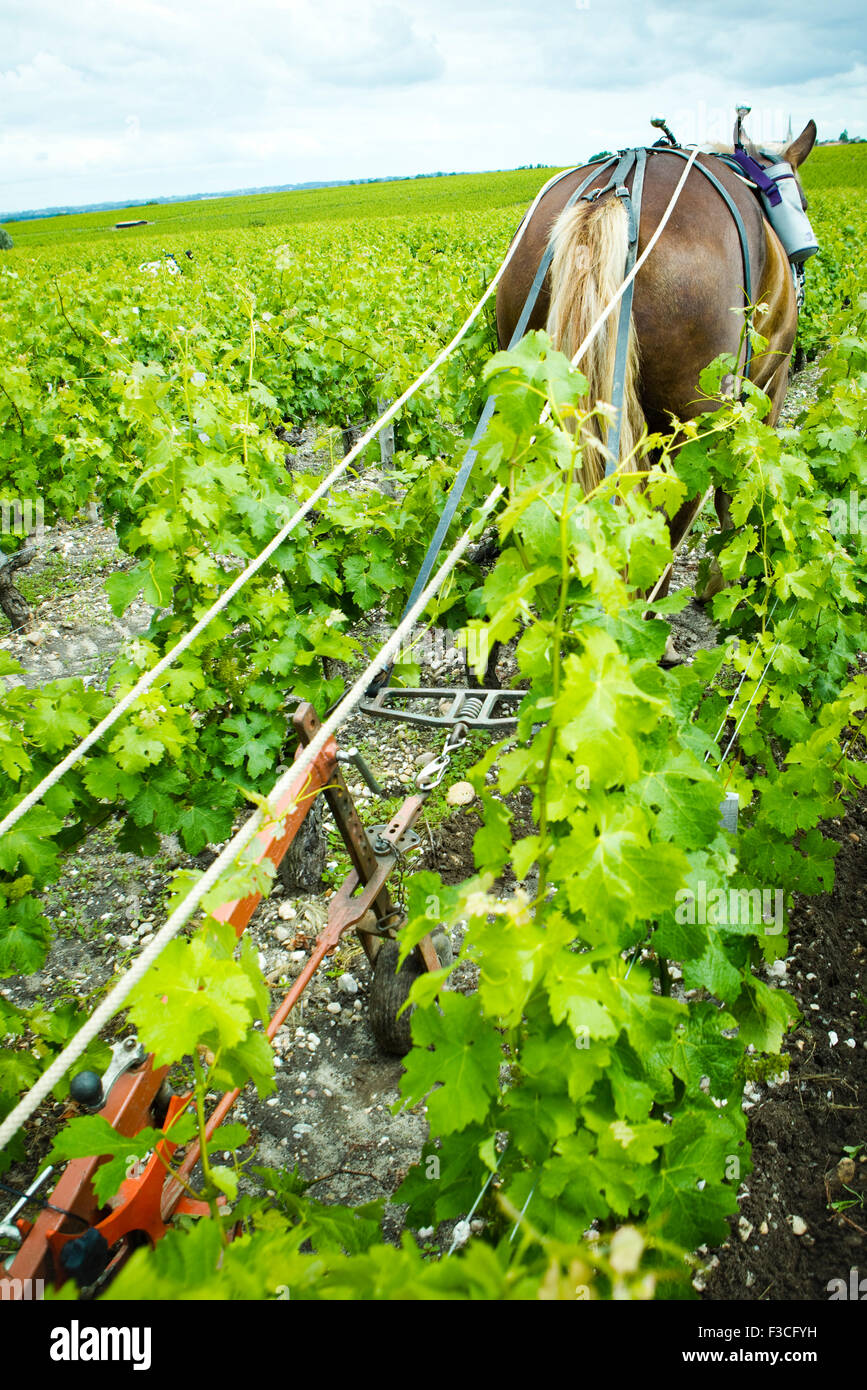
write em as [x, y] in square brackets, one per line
[433, 772]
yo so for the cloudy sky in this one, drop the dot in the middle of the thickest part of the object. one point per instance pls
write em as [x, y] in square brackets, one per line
[115, 99]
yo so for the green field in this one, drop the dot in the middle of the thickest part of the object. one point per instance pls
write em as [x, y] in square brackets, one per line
[836, 166]
[422, 197]
[832, 166]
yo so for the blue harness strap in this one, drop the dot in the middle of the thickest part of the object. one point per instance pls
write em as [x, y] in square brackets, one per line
[632, 204]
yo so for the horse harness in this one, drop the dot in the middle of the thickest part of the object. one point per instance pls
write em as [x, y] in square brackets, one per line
[775, 209]
[620, 165]
[636, 159]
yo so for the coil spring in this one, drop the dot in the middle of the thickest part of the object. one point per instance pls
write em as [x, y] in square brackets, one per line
[471, 708]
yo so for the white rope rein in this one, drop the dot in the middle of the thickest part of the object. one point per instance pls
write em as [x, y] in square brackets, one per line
[148, 679]
[300, 767]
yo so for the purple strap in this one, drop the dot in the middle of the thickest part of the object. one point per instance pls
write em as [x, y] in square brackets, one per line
[757, 175]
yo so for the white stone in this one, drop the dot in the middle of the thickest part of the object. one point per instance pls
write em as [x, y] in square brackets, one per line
[460, 794]
[348, 984]
[799, 1225]
[287, 912]
[333, 1008]
[832, 1038]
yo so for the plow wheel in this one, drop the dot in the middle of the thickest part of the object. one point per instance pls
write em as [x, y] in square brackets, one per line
[389, 991]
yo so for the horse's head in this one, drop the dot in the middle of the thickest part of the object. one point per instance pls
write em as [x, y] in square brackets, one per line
[793, 154]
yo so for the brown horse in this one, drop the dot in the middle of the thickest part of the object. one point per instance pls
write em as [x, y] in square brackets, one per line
[684, 298]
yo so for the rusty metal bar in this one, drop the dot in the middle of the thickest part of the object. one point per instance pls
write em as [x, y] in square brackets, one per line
[147, 1201]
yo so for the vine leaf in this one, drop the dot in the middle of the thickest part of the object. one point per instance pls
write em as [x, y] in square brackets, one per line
[464, 1063]
[91, 1136]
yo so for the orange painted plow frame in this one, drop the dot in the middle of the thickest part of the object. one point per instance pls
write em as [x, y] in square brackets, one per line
[148, 1200]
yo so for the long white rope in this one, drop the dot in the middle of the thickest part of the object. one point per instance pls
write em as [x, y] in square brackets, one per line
[292, 777]
[148, 679]
[748, 705]
[295, 776]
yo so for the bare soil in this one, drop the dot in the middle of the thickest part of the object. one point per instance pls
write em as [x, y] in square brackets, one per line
[803, 1209]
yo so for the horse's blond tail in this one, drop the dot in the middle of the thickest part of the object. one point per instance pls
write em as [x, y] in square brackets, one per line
[590, 241]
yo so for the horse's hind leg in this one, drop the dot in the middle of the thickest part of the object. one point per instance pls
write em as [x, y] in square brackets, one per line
[716, 582]
[490, 680]
[678, 526]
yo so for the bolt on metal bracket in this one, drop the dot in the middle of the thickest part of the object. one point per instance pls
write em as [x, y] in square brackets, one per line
[382, 846]
[124, 1056]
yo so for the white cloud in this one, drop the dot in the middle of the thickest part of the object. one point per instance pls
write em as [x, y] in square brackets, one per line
[135, 98]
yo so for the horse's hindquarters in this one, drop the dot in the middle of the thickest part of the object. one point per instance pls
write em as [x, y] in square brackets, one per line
[689, 295]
